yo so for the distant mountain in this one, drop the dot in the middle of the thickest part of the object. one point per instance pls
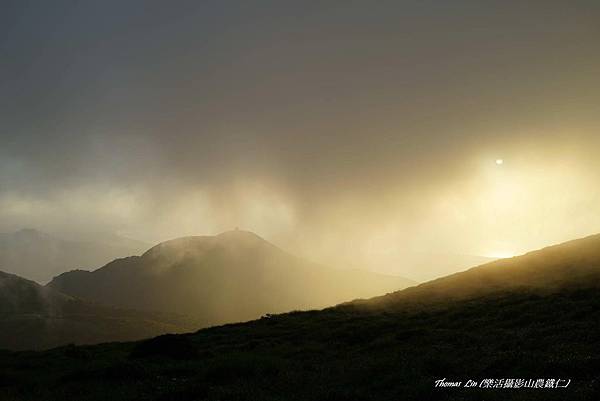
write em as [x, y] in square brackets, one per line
[36, 317]
[525, 328]
[39, 256]
[230, 277]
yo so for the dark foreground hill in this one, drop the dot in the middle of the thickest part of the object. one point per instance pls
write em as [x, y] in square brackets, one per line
[231, 277]
[36, 317]
[521, 323]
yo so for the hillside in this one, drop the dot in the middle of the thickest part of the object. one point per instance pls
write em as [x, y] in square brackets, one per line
[231, 277]
[530, 318]
[40, 256]
[36, 317]
[571, 265]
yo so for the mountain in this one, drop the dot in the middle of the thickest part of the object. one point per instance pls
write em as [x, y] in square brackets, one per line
[230, 277]
[36, 317]
[40, 256]
[525, 328]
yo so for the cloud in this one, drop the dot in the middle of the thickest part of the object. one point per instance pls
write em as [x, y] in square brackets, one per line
[320, 128]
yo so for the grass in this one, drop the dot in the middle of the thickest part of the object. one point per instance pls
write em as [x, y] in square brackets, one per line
[342, 353]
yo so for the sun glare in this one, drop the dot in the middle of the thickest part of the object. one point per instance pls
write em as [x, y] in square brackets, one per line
[499, 162]
[501, 254]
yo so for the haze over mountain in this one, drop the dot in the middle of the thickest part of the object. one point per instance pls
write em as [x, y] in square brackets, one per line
[336, 129]
[37, 317]
[39, 256]
[529, 318]
[230, 277]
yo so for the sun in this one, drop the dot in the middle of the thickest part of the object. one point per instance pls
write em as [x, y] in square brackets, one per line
[499, 162]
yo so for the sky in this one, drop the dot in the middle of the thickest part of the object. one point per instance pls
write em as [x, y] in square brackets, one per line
[351, 132]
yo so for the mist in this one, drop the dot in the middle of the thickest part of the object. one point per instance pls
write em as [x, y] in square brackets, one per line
[346, 133]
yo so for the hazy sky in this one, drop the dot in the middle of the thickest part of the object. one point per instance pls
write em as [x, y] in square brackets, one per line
[344, 130]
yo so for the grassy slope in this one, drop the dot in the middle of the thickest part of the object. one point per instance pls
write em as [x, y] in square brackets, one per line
[337, 354]
[531, 317]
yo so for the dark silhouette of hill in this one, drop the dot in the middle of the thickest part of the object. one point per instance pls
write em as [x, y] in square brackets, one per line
[234, 276]
[36, 317]
[534, 317]
[39, 256]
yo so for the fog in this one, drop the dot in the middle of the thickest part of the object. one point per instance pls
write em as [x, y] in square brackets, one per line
[353, 134]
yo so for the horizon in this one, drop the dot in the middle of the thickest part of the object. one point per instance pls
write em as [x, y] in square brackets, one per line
[415, 279]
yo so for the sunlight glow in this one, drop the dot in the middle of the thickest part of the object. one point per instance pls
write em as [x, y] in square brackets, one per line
[501, 254]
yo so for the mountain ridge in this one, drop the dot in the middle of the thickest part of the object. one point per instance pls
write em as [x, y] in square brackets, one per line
[366, 350]
[575, 262]
[38, 256]
[38, 317]
[211, 276]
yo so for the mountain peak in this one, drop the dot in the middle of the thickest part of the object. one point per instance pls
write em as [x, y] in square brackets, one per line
[238, 234]
[199, 243]
[229, 277]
